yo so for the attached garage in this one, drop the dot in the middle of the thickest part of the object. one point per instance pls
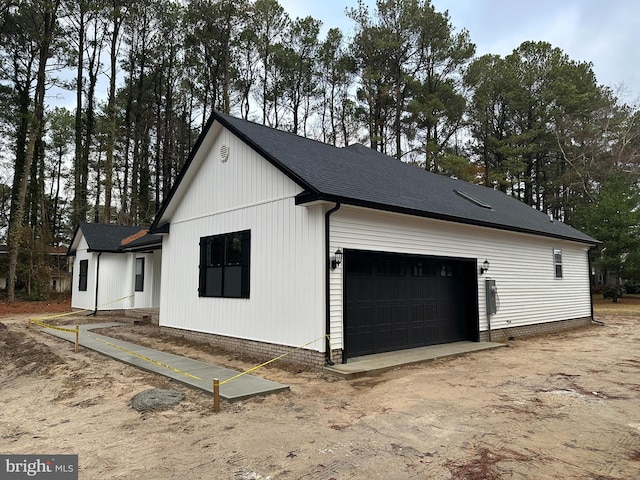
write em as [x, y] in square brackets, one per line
[410, 245]
[395, 302]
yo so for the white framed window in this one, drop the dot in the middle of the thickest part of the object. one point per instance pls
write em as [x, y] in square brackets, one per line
[557, 262]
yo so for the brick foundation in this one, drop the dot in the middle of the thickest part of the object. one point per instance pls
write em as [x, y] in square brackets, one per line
[261, 351]
[151, 316]
[504, 334]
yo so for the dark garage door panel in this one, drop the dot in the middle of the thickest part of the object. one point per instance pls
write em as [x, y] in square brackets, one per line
[406, 305]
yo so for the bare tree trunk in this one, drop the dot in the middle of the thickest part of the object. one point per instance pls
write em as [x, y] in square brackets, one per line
[93, 68]
[124, 191]
[162, 134]
[111, 114]
[55, 220]
[15, 229]
[169, 139]
[79, 207]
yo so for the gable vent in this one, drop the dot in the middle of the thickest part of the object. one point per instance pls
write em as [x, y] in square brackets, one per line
[224, 153]
[473, 199]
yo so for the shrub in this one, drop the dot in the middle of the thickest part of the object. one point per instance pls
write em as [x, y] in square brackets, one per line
[610, 292]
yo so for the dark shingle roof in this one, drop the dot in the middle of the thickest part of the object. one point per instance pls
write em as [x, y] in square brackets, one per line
[358, 175]
[145, 242]
[103, 237]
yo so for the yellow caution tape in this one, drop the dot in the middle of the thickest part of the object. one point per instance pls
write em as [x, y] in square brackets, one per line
[252, 369]
[58, 315]
[142, 357]
[38, 321]
[35, 320]
[46, 325]
[116, 300]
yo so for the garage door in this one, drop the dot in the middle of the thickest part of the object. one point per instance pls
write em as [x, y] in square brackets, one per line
[394, 302]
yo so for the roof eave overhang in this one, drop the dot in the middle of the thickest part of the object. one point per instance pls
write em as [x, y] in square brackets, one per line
[71, 251]
[160, 229]
[309, 198]
[143, 248]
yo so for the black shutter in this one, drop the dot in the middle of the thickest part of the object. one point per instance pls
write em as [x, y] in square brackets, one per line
[246, 262]
[201, 268]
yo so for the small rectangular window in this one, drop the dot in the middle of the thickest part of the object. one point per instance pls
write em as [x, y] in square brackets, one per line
[557, 262]
[423, 268]
[224, 265]
[140, 274]
[449, 270]
[82, 276]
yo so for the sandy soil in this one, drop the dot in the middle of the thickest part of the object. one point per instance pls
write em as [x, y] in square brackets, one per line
[562, 406]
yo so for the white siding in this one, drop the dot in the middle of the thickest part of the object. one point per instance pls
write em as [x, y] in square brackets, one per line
[522, 265]
[114, 282]
[149, 297]
[156, 271]
[243, 181]
[286, 304]
[83, 299]
[116, 287]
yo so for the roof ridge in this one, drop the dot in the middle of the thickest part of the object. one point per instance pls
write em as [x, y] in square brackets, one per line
[278, 130]
[133, 237]
[364, 177]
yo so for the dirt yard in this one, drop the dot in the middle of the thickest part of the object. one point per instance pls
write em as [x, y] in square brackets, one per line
[562, 406]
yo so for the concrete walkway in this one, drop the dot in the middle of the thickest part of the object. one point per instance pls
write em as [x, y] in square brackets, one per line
[182, 369]
[382, 362]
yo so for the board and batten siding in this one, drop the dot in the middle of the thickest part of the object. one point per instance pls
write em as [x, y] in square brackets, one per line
[521, 264]
[116, 287]
[114, 282]
[149, 297]
[156, 278]
[245, 192]
[83, 299]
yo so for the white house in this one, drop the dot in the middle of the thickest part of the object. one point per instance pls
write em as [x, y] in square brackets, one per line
[272, 242]
[61, 268]
[115, 268]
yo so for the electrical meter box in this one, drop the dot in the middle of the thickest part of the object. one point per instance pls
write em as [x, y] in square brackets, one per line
[491, 292]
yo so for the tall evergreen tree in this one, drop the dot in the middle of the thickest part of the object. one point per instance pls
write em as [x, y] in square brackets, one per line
[336, 105]
[269, 21]
[42, 15]
[614, 219]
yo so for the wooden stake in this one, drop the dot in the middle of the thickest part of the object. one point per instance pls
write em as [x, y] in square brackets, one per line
[216, 395]
[77, 337]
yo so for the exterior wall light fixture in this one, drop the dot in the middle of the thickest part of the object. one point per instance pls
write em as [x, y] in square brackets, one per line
[485, 267]
[336, 260]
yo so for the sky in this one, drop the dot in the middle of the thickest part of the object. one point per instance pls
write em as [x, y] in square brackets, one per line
[603, 32]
